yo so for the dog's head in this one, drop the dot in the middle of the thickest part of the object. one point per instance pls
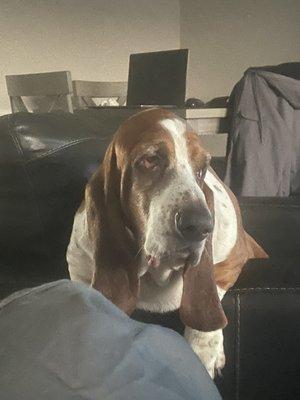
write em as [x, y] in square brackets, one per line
[150, 211]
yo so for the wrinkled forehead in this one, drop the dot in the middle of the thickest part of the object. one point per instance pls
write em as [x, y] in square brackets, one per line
[181, 143]
[186, 145]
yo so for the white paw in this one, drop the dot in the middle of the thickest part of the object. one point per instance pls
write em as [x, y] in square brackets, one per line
[217, 364]
[209, 348]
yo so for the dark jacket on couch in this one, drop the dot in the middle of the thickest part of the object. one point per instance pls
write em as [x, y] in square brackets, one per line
[264, 135]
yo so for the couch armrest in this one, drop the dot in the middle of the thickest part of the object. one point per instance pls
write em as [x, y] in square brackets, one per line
[263, 308]
[275, 224]
[261, 344]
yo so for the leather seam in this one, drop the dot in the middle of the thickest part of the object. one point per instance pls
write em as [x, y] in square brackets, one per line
[269, 204]
[266, 289]
[274, 205]
[54, 151]
[237, 356]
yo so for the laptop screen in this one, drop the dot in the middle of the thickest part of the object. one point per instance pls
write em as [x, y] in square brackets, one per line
[157, 78]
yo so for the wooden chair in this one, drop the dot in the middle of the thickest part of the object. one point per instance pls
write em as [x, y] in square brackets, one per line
[86, 91]
[44, 92]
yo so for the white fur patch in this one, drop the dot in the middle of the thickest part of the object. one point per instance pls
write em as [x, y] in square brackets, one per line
[184, 170]
[161, 299]
[80, 253]
[225, 229]
[209, 348]
[221, 292]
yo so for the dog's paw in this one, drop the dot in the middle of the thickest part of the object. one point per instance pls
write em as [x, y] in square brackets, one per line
[217, 364]
[208, 346]
[212, 357]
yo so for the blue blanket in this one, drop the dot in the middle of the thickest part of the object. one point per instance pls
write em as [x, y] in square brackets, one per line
[65, 341]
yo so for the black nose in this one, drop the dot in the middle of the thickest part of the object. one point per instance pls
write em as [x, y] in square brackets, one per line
[194, 223]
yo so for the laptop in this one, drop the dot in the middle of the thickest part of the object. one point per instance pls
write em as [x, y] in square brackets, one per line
[157, 78]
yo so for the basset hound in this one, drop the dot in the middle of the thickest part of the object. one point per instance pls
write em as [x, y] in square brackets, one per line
[159, 231]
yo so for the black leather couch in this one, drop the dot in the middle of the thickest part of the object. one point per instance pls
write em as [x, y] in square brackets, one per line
[45, 161]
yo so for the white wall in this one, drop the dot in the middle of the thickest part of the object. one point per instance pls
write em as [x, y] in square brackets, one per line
[91, 38]
[225, 37]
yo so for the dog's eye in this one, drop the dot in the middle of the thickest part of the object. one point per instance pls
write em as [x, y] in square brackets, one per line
[148, 162]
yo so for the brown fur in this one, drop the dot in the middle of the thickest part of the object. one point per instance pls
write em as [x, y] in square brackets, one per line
[116, 267]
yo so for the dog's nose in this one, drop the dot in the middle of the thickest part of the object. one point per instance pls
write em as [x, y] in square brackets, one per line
[194, 224]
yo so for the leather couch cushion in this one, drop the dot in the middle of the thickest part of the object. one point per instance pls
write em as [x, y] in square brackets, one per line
[45, 163]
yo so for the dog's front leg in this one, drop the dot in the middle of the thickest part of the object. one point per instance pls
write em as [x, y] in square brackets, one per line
[209, 348]
[208, 345]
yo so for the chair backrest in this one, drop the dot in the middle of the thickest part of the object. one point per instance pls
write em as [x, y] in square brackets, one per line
[86, 91]
[43, 92]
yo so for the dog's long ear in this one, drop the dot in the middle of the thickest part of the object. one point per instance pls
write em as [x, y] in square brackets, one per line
[200, 306]
[115, 273]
